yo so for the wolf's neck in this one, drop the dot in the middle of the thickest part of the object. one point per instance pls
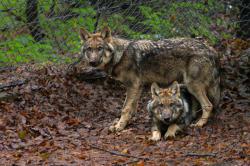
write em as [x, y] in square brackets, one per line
[119, 45]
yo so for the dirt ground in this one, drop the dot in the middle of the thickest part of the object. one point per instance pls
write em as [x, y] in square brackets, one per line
[54, 118]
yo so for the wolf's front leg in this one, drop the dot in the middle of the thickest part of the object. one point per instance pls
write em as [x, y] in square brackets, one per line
[130, 106]
[156, 133]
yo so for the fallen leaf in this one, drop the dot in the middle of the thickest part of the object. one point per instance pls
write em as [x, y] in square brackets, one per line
[44, 155]
[125, 151]
[22, 134]
[140, 163]
[73, 121]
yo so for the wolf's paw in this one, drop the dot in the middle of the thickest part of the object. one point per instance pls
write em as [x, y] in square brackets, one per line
[117, 126]
[172, 130]
[112, 128]
[156, 136]
[169, 134]
[200, 123]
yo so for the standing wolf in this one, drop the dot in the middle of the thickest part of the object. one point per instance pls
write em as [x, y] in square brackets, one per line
[135, 63]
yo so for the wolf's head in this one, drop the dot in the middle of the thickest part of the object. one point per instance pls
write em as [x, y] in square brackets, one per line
[97, 48]
[166, 104]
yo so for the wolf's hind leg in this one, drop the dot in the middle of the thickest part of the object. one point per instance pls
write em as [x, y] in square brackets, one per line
[130, 106]
[214, 94]
[200, 94]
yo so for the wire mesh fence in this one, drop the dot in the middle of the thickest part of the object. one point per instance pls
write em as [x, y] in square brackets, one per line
[46, 29]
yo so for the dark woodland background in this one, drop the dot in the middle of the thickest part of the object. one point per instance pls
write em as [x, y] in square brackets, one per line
[50, 115]
[44, 30]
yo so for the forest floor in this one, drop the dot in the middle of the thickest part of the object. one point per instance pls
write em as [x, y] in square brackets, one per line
[49, 117]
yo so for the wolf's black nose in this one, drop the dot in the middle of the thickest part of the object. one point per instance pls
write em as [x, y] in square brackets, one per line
[167, 119]
[93, 63]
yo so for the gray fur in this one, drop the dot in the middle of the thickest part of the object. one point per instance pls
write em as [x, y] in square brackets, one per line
[136, 63]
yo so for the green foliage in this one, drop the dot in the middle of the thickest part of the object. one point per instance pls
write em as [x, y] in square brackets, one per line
[183, 19]
[7, 20]
[23, 49]
[61, 35]
[160, 26]
[64, 33]
[177, 18]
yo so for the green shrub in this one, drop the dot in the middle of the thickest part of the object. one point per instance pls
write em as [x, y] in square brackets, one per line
[23, 49]
[171, 19]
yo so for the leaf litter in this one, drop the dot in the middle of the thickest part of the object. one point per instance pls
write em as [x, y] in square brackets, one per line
[61, 118]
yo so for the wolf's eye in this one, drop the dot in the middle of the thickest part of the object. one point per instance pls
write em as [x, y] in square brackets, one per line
[88, 49]
[171, 104]
[100, 48]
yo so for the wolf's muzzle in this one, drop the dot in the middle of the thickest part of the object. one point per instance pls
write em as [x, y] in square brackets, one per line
[94, 63]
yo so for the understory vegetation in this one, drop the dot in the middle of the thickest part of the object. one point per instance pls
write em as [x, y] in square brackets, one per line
[57, 112]
[57, 24]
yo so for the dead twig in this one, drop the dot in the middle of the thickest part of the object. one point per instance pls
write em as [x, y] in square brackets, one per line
[8, 96]
[89, 73]
[117, 153]
[92, 75]
[129, 162]
[7, 68]
[200, 154]
[12, 84]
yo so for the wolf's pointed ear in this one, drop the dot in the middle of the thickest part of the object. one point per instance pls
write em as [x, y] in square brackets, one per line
[84, 34]
[106, 33]
[175, 88]
[155, 90]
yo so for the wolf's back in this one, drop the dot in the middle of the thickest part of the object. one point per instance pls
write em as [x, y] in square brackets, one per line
[185, 50]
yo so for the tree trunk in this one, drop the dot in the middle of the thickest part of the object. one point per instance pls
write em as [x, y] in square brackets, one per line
[33, 20]
[244, 24]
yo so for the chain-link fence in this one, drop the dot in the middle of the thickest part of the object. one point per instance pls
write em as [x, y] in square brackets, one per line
[47, 29]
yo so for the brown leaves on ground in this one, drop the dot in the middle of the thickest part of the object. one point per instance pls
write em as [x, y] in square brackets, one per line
[57, 119]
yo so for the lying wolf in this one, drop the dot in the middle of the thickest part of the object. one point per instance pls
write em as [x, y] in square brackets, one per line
[171, 109]
[135, 63]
